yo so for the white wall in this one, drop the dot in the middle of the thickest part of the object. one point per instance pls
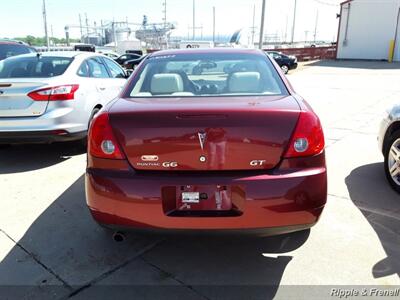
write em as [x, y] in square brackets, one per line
[371, 26]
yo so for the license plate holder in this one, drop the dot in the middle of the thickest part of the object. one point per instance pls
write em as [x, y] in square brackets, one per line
[203, 197]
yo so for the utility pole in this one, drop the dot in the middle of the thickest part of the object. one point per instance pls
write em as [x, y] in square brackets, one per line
[260, 45]
[45, 25]
[294, 20]
[316, 26]
[102, 32]
[52, 34]
[194, 22]
[194, 19]
[80, 26]
[165, 13]
[115, 36]
[165, 23]
[87, 27]
[253, 28]
[286, 28]
[214, 25]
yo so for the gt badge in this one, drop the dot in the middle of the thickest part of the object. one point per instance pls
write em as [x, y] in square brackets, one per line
[257, 162]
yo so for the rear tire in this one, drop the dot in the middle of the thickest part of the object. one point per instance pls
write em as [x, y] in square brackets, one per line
[392, 161]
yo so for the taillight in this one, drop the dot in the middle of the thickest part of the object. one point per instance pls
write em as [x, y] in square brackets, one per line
[55, 93]
[308, 137]
[102, 141]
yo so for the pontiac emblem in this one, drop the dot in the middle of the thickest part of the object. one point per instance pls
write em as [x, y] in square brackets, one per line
[202, 139]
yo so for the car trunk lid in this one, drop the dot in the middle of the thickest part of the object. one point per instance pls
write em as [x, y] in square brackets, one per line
[185, 134]
[14, 99]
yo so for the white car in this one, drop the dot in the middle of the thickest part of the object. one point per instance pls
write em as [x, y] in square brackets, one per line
[53, 96]
[389, 144]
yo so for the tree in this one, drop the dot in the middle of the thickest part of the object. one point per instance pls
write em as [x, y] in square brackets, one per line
[41, 41]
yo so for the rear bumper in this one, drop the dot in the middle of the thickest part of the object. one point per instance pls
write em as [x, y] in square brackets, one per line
[41, 129]
[25, 137]
[280, 202]
[269, 231]
[293, 66]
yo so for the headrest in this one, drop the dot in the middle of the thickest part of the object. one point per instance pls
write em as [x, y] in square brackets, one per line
[47, 69]
[166, 84]
[242, 82]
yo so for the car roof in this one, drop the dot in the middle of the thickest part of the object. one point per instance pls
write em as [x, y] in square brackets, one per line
[66, 54]
[10, 42]
[134, 54]
[208, 51]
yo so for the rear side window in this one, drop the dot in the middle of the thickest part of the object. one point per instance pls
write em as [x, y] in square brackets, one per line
[84, 70]
[207, 75]
[8, 50]
[275, 55]
[97, 69]
[31, 67]
[115, 70]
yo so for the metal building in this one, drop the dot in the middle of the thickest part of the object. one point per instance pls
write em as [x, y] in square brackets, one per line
[369, 29]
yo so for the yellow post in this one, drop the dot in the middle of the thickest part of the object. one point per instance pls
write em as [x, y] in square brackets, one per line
[391, 51]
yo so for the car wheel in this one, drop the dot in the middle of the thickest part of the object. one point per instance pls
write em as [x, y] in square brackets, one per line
[392, 161]
[285, 69]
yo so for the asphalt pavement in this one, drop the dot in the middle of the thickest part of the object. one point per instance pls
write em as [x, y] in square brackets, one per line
[51, 248]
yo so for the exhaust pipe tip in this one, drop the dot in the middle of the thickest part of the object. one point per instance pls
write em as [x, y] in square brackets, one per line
[118, 236]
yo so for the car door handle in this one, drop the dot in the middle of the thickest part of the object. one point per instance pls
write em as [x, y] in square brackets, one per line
[102, 88]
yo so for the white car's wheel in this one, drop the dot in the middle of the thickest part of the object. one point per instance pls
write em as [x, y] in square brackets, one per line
[392, 161]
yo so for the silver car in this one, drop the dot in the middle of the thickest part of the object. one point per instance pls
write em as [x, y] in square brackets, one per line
[389, 143]
[53, 96]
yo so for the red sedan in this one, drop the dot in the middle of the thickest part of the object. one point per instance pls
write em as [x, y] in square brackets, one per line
[210, 139]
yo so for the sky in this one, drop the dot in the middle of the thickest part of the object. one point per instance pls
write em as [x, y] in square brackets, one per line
[24, 17]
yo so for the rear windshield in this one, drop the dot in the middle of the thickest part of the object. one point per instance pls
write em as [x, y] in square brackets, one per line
[216, 74]
[31, 67]
[8, 50]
